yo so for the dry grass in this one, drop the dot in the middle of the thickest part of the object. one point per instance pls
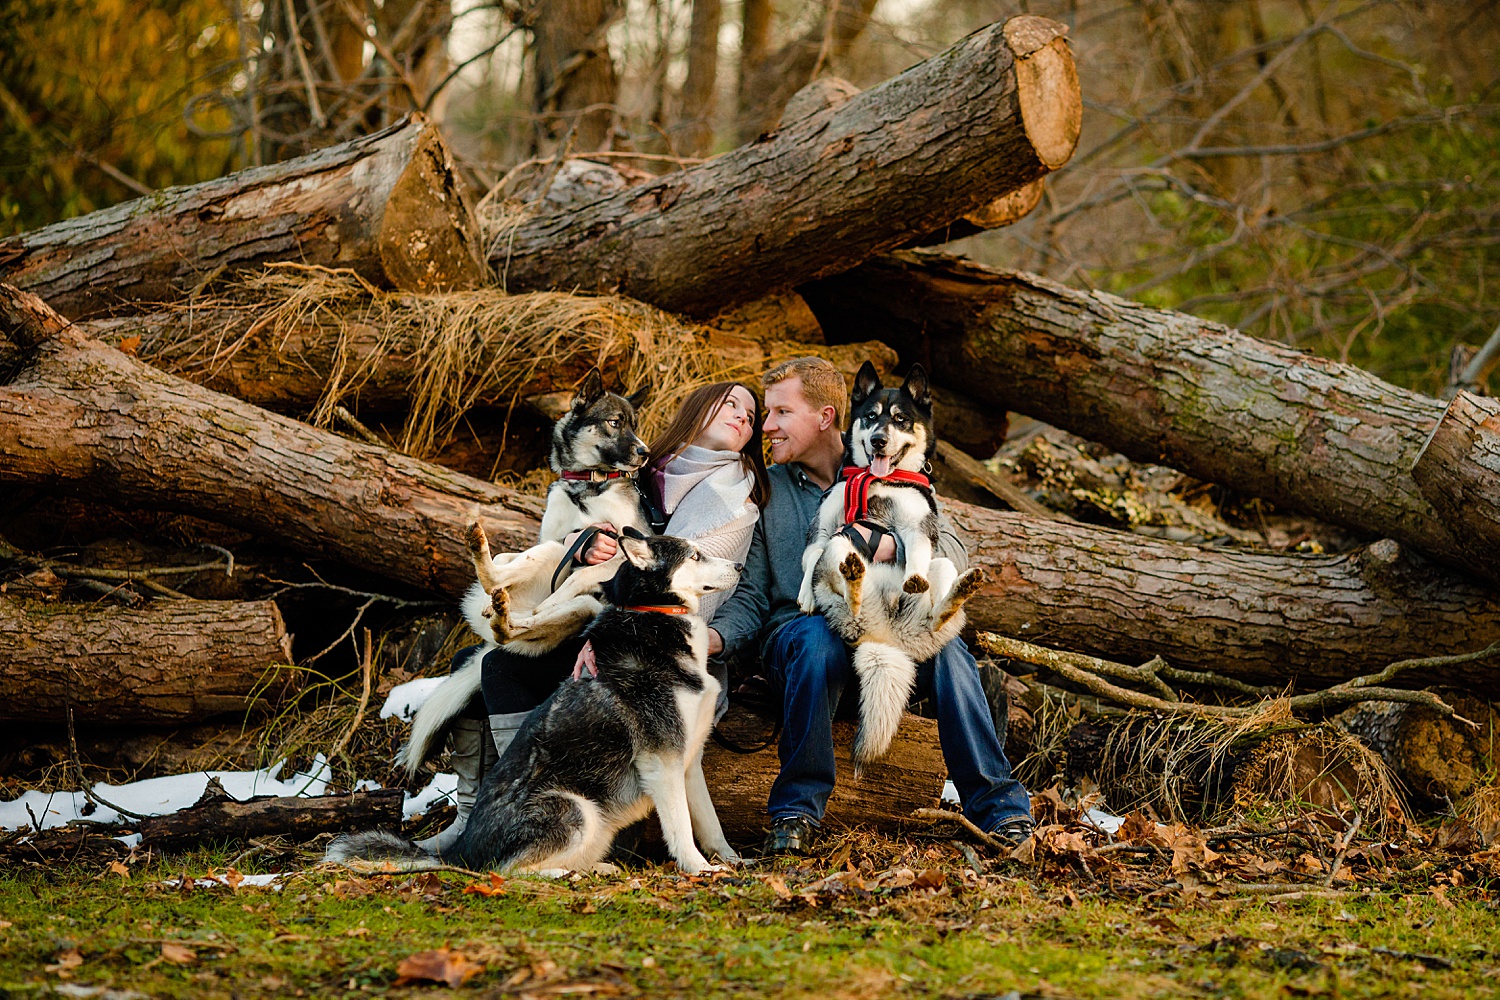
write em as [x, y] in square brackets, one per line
[468, 345]
[1325, 769]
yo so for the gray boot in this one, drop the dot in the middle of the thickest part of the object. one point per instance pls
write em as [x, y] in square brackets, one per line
[503, 729]
[473, 755]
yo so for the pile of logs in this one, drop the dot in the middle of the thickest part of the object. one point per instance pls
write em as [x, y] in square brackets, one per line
[97, 440]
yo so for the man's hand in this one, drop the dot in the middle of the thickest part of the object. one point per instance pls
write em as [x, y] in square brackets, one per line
[603, 549]
[715, 642]
[886, 551]
[585, 659]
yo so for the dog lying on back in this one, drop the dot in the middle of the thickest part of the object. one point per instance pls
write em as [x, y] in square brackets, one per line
[599, 754]
[893, 614]
[595, 452]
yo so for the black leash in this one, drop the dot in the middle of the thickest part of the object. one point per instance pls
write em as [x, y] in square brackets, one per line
[863, 547]
[582, 543]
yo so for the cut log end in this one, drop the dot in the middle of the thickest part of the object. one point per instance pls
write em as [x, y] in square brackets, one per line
[1051, 105]
[429, 240]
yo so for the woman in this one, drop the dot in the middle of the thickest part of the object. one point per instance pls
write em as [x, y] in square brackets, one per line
[708, 477]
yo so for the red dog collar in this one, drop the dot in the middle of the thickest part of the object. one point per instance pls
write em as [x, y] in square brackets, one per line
[595, 476]
[666, 609]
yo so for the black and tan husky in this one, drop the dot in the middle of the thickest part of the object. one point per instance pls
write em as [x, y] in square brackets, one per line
[595, 452]
[895, 615]
[600, 754]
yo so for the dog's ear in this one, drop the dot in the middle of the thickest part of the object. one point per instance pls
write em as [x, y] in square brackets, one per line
[866, 383]
[917, 386]
[636, 549]
[637, 399]
[631, 531]
[589, 391]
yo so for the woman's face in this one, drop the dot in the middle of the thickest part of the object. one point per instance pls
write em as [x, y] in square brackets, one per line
[729, 427]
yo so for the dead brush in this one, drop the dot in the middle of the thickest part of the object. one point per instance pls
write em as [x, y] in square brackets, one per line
[1322, 769]
[464, 346]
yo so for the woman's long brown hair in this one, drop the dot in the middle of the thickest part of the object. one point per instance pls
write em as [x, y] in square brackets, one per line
[695, 411]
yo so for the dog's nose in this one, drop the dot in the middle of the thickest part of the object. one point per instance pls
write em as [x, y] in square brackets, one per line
[879, 443]
[739, 567]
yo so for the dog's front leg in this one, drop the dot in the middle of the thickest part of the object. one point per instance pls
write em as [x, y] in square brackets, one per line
[665, 783]
[918, 563]
[706, 827]
[830, 517]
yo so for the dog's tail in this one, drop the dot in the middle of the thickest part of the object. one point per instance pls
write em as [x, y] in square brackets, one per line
[432, 719]
[886, 677]
[380, 845]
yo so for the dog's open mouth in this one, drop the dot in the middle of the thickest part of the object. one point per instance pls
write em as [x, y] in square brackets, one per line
[881, 465]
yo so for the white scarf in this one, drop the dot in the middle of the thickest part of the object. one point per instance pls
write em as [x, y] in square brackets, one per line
[720, 486]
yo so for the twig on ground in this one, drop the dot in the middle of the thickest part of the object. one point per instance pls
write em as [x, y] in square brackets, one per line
[366, 667]
[948, 816]
[352, 422]
[83, 782]
[1414, 956]
[1346, 839]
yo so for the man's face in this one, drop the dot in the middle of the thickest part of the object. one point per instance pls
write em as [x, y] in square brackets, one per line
[792, 425]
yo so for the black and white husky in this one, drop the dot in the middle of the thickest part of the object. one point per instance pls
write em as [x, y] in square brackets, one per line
[595, 452]
[893, 614]
[600, 754]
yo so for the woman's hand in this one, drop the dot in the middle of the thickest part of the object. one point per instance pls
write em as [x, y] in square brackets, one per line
[603, 549]
[884, 552]
[585, 659]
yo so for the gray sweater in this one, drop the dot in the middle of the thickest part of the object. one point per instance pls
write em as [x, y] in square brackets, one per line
[766, 597]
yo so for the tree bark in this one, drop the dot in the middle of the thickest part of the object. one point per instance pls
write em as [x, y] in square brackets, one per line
[991, 114]
[575, 76]
[388, 205]
[1265, 618]
[1458, 472]
[224, 818]
[1438, 759]
[170, 661]
[909, 777]
[695, 133]
[88, 420]
[1325, 438]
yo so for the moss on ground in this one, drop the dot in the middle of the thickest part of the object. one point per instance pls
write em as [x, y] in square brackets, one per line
[920, 926]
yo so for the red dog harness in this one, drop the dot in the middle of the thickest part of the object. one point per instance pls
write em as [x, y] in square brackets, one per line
[857, 482]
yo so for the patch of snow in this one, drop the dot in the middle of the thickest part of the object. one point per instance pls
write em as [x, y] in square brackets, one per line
[257, 881]
[442, 788]
[950, 793]
[405, 699]
[1108, 822]
[130, 840]
[158, 796]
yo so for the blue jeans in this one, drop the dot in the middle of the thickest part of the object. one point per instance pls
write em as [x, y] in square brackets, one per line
[812, 667]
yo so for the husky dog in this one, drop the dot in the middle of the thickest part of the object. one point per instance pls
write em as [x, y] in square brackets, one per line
[894, 614]
[600, 754]
[595, 452]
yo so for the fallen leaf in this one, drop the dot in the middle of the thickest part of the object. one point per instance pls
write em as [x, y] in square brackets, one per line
[66, 962]
[778, 885]
[115, 868]
[4, 924]
[131, 344]
[351, 888]
[233, 878]
[440, 966]
[357, 932]
[495, 888]
[930, 878]
[178, 954]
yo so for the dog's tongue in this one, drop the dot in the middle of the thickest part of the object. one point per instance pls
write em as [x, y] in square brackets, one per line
[880, 466]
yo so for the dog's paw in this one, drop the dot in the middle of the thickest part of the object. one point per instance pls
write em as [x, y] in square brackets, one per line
[915, 584]
[698, 866]
[806, 601]
[478, 541]
[852, 568]
[727, 856]
[968, 585]
[499, 613]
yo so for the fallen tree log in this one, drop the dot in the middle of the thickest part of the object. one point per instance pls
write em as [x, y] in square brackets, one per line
[1266, 618]
[170, 661]
[1324, 438]
[909, 777]
[218, 818]
[1439, 759]
[388, 205]
[989, 115]
[1458, 471]
[88, 420]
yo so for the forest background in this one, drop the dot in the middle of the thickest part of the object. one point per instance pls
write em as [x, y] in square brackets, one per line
[1325, 175]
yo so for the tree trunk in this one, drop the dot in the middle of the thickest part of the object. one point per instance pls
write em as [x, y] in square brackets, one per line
[88, 420]
[1458, 472]
[1308, 620]
[388, 205]
[575, 76]
[909, 777]
[222, 818]
[170, 661]
[1439, 759]
[695, 132]
[1325, 438]
[769, 81]
[989, 115]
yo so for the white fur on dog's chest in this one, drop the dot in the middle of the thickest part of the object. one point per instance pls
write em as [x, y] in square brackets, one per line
[620, 505]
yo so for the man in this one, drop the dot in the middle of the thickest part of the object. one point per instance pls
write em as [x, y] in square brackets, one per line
[805, 402]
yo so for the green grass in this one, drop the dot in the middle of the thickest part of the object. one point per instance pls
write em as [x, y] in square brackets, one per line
[653, 933]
